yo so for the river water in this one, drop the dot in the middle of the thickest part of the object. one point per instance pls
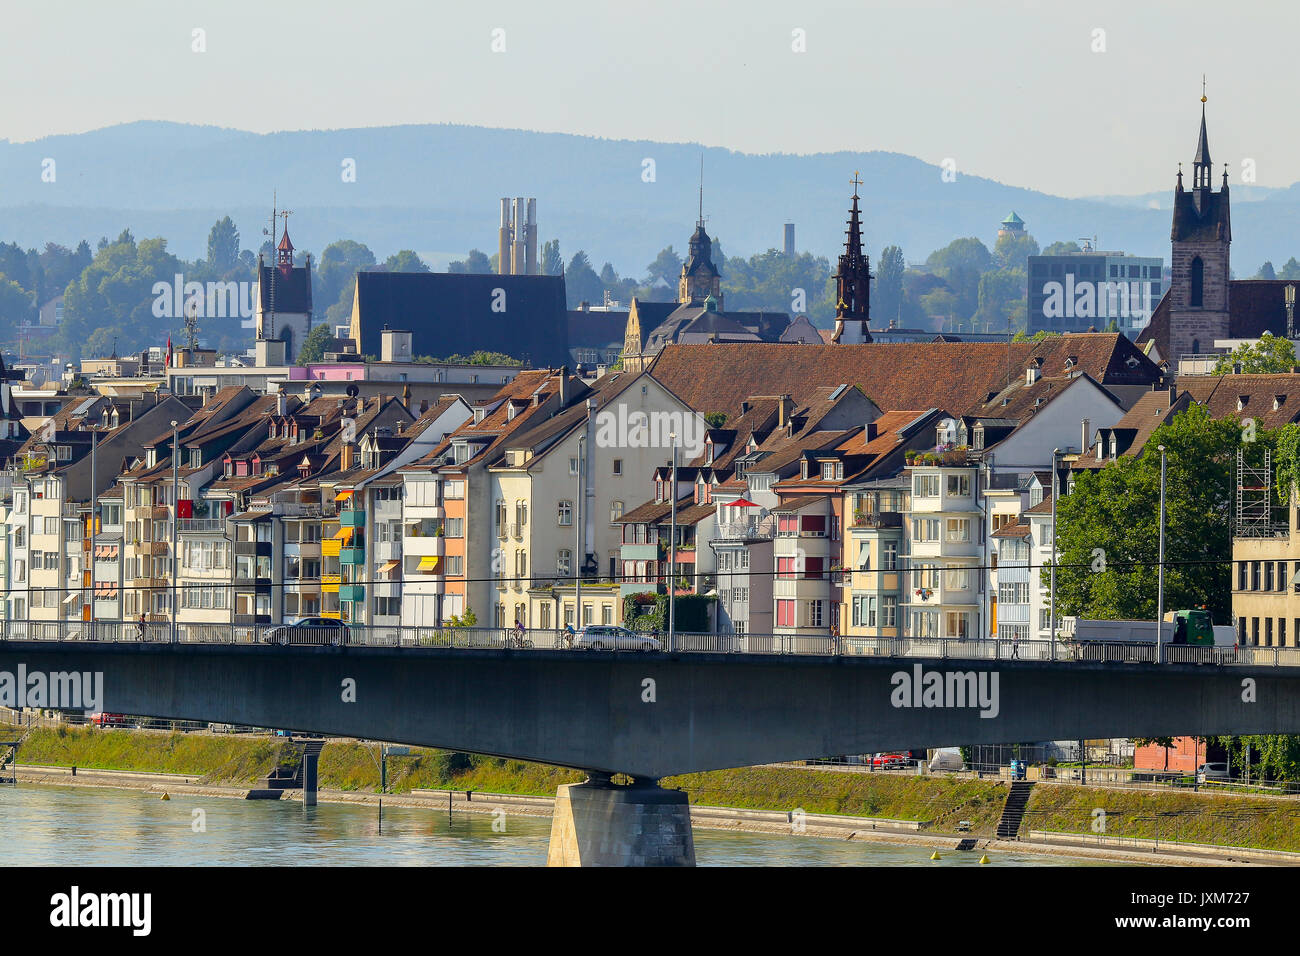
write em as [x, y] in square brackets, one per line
[69, 826]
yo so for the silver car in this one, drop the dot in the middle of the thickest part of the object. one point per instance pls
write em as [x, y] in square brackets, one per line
[608, 637]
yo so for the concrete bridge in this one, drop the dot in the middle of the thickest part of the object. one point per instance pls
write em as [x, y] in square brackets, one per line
[650, 715]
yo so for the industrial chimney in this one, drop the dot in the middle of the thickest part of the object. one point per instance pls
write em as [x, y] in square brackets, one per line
[503, 239]
[789, 240]
[530, 239]
[517, 253]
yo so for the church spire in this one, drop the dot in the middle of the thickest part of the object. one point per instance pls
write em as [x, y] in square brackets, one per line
[1201, 161]
[853, 281]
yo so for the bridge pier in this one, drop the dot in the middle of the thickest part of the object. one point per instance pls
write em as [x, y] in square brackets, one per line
[599, 824]
[309, 776]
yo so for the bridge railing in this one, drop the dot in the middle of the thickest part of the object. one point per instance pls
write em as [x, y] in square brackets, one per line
[822, 644]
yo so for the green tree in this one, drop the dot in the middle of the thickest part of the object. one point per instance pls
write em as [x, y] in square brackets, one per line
[223, 246]
[476, 263]
[1275, 756]
[16, 305]
[960, 264]
[405, 261]
[337, 268]
[1013, 250]
[1270, 355]
[666, 266]
[551, 263]
[1266, 271]
[1108, 526]
[888, 302]
[1290, 270]
[998, 290]
[314, 343]
[1062, 249]
[581, 281]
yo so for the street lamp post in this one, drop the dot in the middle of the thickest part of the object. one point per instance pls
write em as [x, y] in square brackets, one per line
[1051, 610]
[94, 520]
[672, 546]
[1289, 295]
[176, 507]
[1160, 571]
[577, 543]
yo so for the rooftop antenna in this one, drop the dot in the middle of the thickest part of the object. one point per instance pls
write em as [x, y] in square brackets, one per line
[191, 326]
[271, 297]
[701, 219]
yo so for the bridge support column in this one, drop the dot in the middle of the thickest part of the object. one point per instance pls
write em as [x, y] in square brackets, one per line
[599, 824]
[309, 766]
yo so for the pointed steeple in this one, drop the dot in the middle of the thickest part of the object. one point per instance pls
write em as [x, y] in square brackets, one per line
[853, 281]
[1201, 161]
[284, 252]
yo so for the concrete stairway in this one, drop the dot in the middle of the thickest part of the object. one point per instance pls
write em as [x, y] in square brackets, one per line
[1014, 810]
[289, 776]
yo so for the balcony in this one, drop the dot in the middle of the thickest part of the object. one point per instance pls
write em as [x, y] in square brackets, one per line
[160, 512]
[640, 552]
[331, 547]
[150, 583]
[424, 546]
[875, 520]
[329, 583]
[201, 525]
[352, 519]
[352, 556]
[753, 530]
[355, 593]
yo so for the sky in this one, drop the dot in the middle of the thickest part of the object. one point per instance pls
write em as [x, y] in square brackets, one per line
[1067, 98]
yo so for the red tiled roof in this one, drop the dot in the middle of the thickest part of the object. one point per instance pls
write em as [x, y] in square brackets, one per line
[956, 376]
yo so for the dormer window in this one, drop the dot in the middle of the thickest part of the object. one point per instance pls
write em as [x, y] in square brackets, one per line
[1241, 401]
[1114, 446]
[480, 412]
[1278, 401]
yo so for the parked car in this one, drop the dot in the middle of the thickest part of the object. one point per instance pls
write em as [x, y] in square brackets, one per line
[309, 630]
[608, 637]
[1213, 771]
[888, 761]
[109, 720]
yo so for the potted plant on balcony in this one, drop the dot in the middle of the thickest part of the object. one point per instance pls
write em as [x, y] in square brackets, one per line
[859, 518]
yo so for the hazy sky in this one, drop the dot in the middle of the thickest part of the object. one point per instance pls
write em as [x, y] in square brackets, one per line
[1013, 91]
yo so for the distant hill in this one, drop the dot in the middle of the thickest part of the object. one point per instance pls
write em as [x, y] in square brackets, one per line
[435, 189]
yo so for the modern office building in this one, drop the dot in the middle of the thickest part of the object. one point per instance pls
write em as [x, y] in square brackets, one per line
[1090, 289]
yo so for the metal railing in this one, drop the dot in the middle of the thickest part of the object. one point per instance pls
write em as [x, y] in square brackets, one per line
[184, 525]
[506, 638]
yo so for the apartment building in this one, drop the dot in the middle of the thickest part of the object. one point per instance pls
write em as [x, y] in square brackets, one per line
[945, 550]
[451, 555]
[561, 488]
[873, 556]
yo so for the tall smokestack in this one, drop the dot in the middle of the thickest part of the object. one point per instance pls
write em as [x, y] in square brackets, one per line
[503, 239]
[517, 254]
[530, 238]
[789, 240]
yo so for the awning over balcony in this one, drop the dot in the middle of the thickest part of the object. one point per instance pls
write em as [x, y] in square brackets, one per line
[345, 534]
[343, 496]
[388, 566]
[428, 563]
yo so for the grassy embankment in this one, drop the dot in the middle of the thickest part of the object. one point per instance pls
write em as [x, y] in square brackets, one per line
[939, 801]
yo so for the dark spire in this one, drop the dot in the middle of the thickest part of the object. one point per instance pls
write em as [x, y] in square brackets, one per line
[853, 276]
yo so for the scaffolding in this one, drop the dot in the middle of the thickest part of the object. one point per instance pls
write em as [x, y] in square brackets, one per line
[1254, 498]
